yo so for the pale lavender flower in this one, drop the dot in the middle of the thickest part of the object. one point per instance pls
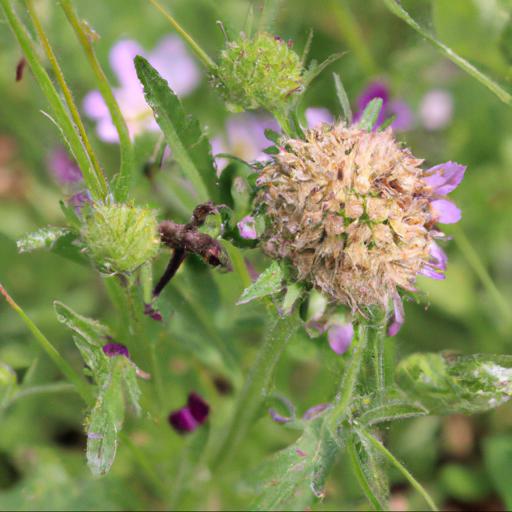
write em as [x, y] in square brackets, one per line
[390, 107]
[317, 116]
[340, 337]
[170, 58]
[436, 109]
[79, 200]
[244, 138]
[247, 228]
[63, 167]
[191, 416]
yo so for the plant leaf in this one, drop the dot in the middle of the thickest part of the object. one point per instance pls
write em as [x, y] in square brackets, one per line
[498, 460]
[370, 114]
[293, 294]
[269, 282]
[8, 384]
[464, 384]
[190, 147]
[43, 238]
[295, 476]
[391, 411]
[342, 98]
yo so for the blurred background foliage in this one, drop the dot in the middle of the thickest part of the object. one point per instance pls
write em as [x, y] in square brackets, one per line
[465, 462]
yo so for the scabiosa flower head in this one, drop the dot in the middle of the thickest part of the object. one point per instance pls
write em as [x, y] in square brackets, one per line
[170, 58]
[356, 215]
[191, 416]
[121, 237]
[262, 71]
[390, 107]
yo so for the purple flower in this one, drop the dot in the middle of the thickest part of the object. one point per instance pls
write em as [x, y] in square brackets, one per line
[64, 169]
[190, 417]
[340, 337]
[153, 313]
[317, 116]
[436, 109]
[314, 411]
[115, 349]
[390, 107]
[398, 316]
[170, 58]
[245, 138]
[247, 228]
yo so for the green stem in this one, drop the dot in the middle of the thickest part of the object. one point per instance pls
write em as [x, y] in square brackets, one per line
[392, 459]
[377, 337]
[352, 34]
[396, 8]
[67, 92]
[44, 389]
[201, 54]
[80, 384]
[124, 180]
[478, 267]
[97, 188]
[257, 385]
[360, 475]
[239, 266]
[349, 380]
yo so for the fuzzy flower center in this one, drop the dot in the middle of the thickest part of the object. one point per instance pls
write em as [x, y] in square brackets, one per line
[351, 211]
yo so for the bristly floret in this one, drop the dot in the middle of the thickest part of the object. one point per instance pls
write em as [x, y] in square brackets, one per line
[353, 212]
[259, 72]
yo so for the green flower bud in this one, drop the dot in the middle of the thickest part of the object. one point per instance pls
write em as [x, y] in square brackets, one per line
[121, 237]
[259, 72]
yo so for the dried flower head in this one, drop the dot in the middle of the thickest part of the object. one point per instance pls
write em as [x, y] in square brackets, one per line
[259, 72]
[122, 237]
[355, 213]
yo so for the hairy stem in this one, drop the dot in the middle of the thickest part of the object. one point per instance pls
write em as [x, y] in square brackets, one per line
[257, 385]
[201, 54]
[349, 380]
[96, 186]
[66, 91]
[124, 180]
[74, 377]
[393, 460]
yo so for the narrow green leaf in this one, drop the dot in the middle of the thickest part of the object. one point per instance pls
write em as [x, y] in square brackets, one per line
[343, 98]
[396, 8]
[295, 477]
[91, 330]
[465, 384]
[315, 69]
[293, 294]
[189, 145]
[398, 410]
[269, 282]
[8, 384]
[370, 114]
[43, 238]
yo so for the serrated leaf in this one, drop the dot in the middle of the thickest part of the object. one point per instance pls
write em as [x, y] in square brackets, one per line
[91, 330]
[294, 478]
[270, 281]
[464, 384]
[43, 238]
[391, 411]
[343, 98]
[190, 147]
[370, 114]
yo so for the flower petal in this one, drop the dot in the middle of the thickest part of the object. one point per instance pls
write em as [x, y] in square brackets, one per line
[198, 407]
[314, 411]
[183, 421]
[340, 337]
[431, 272]
[115, 349]
[94, 106]
[64, 168]
[439, 258]
[172, 60]
[436, 109]
[278, 418]
[317, 116]
[445, 211]
[444, 178]
[121, 61]
[404, 119]
[398, 316]
[247, 228]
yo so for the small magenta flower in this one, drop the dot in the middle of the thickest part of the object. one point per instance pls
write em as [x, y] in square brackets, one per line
[191, 416]
[317, 116]
[170, 58]
[244, 138]
[390, 107]
[247, 228]
[436, 109]
[340, 337]
[115, 349]
[63, 167]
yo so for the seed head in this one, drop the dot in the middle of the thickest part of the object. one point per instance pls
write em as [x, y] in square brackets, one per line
[259, 72]
[352, 211]
[122, 237]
